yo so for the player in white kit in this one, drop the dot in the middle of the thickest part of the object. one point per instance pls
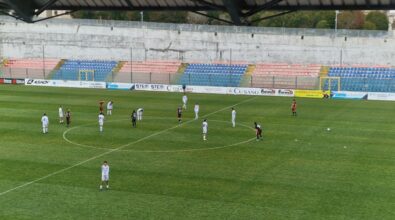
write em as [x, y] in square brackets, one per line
[196, 111]
[205, 128]
[101, 121]
[45, 122]
[140, 114]
[233, 117]
[105, 175]
[61, 115]
[184, 101]
[109, 107]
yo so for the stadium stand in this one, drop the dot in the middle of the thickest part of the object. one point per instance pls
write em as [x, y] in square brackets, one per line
[284, 75]
[284, 69]
[91, 70]
[33, 68]
[213, 74]
[32, 64]
[150, 71]
[371, 79]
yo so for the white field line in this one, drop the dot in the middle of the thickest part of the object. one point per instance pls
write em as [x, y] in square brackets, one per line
[153, 151]
[116, 149]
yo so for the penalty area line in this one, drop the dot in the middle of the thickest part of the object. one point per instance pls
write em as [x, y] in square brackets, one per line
[116, 149]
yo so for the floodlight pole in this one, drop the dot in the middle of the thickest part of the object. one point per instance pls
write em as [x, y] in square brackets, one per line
[142, 16]
[131, 65]
[44, 60]
[337, 13]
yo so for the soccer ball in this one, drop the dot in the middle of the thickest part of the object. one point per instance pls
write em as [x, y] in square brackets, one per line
[328, 129]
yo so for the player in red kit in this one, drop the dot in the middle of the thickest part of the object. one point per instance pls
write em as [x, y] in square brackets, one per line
[179, 114]
[293, 107]
[258, 129]
[101, 106]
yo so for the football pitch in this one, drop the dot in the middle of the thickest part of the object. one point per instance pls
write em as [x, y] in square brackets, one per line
[164, 170]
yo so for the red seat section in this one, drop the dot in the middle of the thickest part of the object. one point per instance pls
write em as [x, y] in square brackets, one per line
[152, 66]
[48, 64]
[284, 69]
[29, 68]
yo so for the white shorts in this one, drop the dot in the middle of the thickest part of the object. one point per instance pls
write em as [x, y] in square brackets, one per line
[204, 131]
[45, 125]
[60, 116]
[104, 177]
[101, 123]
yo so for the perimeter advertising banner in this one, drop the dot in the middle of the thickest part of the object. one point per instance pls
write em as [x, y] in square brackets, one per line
[65, 83]
[310, 94]
[383, 96]
[204, 89]
[11, 81]
[349, 95]
[120, 86]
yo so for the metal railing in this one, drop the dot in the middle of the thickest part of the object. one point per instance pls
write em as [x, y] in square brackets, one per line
[258, 81]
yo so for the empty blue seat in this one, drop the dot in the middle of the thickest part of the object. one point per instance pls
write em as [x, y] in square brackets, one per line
[372, 79]
[85, 70]
[213, 74]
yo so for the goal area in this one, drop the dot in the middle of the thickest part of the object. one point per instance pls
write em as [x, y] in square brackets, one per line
[330, 83]
[86, 75]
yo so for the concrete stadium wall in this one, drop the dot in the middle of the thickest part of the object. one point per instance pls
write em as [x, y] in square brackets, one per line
[74, 40]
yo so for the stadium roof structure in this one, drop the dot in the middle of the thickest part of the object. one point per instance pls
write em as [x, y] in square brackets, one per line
[240, 11]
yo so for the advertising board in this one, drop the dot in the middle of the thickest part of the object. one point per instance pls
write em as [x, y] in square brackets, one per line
[349, 95]
[11, 81]
[120, 86]
[381, 96]
[309, 94]
[65, 83]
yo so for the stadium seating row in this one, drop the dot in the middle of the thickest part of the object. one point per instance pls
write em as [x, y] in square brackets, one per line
[151, 67]
[213, 74]
[220, 73]
[85, 70]
[372, 79]
[271, 69]
[31, 63]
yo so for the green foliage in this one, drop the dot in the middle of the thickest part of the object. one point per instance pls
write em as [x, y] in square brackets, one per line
[323, 24]
[351, 20]
[163, 16]
[302, 19]
[369, 26]
[379, 19]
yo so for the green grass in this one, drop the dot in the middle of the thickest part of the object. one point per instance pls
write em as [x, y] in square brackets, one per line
[299, 170]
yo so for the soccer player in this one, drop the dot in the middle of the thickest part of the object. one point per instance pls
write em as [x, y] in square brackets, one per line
[205, 127]
[293, 107]
[68, 117]
[61, 115]
[101, 106]
[184, 101]
[45, 122]
[179, 113]
[233, 117]
[258, 129]
[105, 175]
[134, 117]
[101, 121]
[140, 114]
[196, 111]
[109, 107]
